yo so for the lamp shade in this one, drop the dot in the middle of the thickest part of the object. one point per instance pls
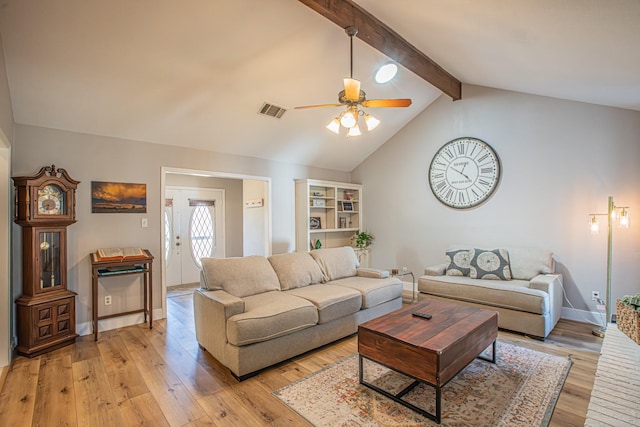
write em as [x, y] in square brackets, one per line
[595, 225]
[349, 119]
[371, 122]
[334, 126]
[354, 131]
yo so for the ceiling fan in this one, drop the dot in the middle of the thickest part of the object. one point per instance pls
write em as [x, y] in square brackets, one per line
[352, 96]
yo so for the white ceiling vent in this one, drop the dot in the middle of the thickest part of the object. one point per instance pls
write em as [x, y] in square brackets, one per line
[272, 110]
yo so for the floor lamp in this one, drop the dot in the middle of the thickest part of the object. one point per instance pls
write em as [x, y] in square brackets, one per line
[621, 215]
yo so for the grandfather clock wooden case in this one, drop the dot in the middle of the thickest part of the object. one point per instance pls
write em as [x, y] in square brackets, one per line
[46, 311]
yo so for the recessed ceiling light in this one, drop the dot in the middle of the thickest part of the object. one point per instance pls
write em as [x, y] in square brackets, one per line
[386, 72]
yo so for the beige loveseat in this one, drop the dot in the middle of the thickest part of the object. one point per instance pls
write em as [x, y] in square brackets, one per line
[253, 312]
[528, 299]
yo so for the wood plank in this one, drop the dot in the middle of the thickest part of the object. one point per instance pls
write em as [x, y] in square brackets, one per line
[378, 35]
[194, 377]
[95, 401]
[55, 399]
[124, 376]
[178, 406]
[226, 408]
[17, 399]
[142, 410]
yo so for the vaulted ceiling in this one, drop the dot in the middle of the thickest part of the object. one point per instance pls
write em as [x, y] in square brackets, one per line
[195, 73]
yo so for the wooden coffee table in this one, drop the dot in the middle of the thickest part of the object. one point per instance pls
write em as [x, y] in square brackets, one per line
[430, 351]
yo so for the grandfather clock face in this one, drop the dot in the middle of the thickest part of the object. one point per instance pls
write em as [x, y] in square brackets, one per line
[51, 200]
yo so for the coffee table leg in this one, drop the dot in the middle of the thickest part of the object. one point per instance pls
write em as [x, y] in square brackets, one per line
[397, 397]
[493, 354]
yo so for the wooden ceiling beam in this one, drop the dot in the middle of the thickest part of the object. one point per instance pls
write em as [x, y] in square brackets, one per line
[371, 30]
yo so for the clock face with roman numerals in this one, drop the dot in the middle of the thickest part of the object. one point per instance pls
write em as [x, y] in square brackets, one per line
[464, 173]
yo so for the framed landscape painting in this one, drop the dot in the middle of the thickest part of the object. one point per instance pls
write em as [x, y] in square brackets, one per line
[118, 197]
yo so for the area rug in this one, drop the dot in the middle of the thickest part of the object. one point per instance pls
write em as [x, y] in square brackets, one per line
[521, 389]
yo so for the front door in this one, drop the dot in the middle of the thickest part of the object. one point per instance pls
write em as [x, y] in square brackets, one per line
[194, 228]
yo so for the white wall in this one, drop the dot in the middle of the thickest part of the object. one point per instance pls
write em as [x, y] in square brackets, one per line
[561, 160]
[95, 158]
[256, 230]
[6, 138]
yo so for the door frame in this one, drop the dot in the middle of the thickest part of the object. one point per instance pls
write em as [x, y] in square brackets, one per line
[213, 174]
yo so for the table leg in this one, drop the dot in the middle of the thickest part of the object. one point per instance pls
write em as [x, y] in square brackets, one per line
[94, 303]
[150, 298]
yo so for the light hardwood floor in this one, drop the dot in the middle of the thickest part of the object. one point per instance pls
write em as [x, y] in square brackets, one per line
[160, 377]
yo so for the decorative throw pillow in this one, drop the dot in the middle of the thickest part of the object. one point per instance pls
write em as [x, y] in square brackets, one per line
[492, 264]
[459, 262]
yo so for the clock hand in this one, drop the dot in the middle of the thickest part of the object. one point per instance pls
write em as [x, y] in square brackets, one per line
[460, 172]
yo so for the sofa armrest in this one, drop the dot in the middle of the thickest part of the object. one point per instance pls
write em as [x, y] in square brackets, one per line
[551, 284]
[374, 273]
[211, 310]
[436, 270]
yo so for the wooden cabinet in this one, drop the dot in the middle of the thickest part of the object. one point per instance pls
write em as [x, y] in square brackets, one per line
[328, 211]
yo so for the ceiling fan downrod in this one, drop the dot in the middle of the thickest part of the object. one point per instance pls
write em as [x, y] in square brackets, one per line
[351, 32]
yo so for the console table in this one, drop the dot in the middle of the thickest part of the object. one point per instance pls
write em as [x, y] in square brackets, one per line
[110, 268]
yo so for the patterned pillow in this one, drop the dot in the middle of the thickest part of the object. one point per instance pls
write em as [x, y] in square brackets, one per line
[492, 264]
[459, 262]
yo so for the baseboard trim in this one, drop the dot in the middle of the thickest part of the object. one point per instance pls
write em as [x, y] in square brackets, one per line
[583, 316]
[85, 328]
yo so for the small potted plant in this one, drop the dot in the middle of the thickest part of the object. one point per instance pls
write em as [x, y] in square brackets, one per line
[362, 240]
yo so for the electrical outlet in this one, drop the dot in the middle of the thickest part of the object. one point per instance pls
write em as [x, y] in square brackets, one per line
[404, 268]
[595, 295]
[107, 300]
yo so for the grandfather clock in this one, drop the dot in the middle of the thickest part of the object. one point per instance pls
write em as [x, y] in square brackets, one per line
[46, 311]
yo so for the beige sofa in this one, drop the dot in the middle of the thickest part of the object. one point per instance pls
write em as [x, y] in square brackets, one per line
[529, 302]
[253, 312]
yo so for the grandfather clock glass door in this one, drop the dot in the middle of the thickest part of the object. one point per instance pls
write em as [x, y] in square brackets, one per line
[50, 262]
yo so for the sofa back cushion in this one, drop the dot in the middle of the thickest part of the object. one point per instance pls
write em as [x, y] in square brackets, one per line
[295, 270]
[527, 263]
[490, 264]
[459, 261]
[240, 277]
[336, 263]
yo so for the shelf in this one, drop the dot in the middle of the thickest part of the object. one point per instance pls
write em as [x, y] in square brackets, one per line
[331, 216]
[332, 230]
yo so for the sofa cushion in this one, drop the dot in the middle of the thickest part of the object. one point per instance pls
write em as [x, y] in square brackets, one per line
[493, 264]
[514, 295]
[240, 277]
[331, 301]
[374, 291]
[526, 263]
[296, 269]
[459, 262]
[336, 263]
[270, 315]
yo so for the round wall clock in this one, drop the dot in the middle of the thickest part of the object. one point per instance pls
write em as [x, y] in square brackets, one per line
[464, 173]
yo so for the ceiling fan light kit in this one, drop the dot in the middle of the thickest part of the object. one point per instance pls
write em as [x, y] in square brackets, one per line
[352, 96]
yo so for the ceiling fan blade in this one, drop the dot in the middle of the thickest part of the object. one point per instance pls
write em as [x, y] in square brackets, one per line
[386, 103]
[352, 89]
[317, 106]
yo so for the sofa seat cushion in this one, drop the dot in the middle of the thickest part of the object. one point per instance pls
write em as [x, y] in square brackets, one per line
[296, 269]
[374, 291]
[240, 277]
[331, 301]
[514, 295]
[270, 315]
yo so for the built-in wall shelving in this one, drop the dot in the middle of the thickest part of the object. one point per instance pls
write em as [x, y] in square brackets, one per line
[327, 211]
